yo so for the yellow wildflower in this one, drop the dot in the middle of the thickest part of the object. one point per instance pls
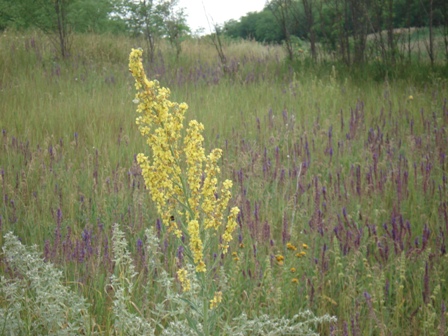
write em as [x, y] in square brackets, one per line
[279, 259]
[231, 226]
[191, 195]
[222, 202]
[182, 275]
[295, 281]
[196, 245]
[293, 270]
[216, 300]
[194, 157]
[162, 131]
[210, 188]
[301, 254]
[235, 256]
[291, 247]
[305, 246]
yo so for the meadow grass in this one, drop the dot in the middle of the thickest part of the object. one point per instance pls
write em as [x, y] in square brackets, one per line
[341, 184]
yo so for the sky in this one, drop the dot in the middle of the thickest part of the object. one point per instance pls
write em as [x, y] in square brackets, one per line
[217, 11]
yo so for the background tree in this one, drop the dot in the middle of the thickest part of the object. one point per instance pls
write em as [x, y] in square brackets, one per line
[359, 28]
[444, 25]
[334, 18]
[282, 11]
[232, 28]
[308, 8]
[94, 16]
[261, 26]
[429, 10]
[6, 14]
[51, 17]
[154, 19]
[266, 29]
[145, 18]
[175, 25]
[216, 39]
[248, 25]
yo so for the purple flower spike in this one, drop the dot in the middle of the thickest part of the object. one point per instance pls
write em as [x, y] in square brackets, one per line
[367, 296]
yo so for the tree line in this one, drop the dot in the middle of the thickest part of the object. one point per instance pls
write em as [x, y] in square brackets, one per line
[59, 19]
[351, 30]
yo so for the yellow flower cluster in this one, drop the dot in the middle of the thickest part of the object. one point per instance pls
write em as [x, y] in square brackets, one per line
[182, 275]
[211, 205]
[291, 247]
[280, 259]
[162, 131]
[182, 180]
[196, 245]
[216, 300]
[231, 226]
[194, 157]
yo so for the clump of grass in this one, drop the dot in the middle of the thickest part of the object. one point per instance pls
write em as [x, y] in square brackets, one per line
[35, 300]
[122, 283]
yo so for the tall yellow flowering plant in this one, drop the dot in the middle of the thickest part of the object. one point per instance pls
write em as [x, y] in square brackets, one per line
[182, 179]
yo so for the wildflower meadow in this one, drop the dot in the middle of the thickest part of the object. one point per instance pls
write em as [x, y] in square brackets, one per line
[176, 197]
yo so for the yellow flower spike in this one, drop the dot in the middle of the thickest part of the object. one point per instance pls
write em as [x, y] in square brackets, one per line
[217, 298]
[231, 226]
[195, 157]
[210, 188]
[221, 203]
[182, 275]
[181, 179]
[196, 245]
[201, 267]
[162, 130]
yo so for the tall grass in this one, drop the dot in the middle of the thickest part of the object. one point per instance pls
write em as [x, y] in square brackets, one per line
[352, 174]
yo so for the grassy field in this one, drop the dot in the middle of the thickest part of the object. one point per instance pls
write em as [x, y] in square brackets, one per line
[342, 186]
